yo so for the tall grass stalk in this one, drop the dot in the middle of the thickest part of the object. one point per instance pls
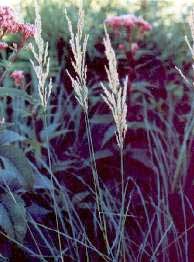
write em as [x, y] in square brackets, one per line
[78, 43]
[115, 98]
[158, 232]
[190, 119]
[41, 68]
[161, 160]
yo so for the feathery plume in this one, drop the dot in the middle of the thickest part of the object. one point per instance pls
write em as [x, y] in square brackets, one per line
[78, 43]
[115, 95]
[41, 66]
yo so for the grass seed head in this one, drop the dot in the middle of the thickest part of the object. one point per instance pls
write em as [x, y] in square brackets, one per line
[115, 96]
[78, 43]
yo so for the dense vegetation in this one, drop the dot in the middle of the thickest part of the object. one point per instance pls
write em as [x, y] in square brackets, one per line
[96, 133]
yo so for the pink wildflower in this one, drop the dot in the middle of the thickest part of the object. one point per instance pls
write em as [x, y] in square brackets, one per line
[8, 23]
[28, 30]
[122, 20]
[18, 77]
[3, 45]
[121, 46]
[128, 21]
[144, 26]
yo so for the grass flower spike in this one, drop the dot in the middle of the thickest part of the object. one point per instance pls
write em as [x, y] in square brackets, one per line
[40, 52]
[91, 172]
[115, 95]
[79, 63]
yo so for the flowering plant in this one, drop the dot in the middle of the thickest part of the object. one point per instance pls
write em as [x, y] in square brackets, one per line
[9, 24]
[127, 30]
[18, 77]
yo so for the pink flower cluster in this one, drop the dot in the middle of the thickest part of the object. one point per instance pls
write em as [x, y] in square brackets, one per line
[18, 77]
[28, 30]
[128, 21]
[9, 24]
[7, 20]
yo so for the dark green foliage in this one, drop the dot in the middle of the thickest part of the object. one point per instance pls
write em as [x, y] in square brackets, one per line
[13, 216]
[42, 158]
[16, 156]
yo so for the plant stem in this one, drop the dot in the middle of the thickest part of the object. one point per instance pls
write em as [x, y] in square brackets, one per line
[122, 211]
[53, 191]
[99, 198]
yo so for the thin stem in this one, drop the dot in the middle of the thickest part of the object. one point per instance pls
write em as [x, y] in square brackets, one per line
[41, 235]
[182, 153]
[122, 212]
[52, 191]
[99, 198]
[82, 243]
[122, 173]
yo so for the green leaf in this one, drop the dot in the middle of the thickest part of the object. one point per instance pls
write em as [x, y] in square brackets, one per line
[102, 119]
[17, 157]
[37, 211]
[5, 221]
[79, 197]
[51, 132]
[110, 132]
[42, 182]
[9, 136]
[142, 156]
[13, 216]
[63, 165]
[101, 154]
[13, 92]
[10, 179]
